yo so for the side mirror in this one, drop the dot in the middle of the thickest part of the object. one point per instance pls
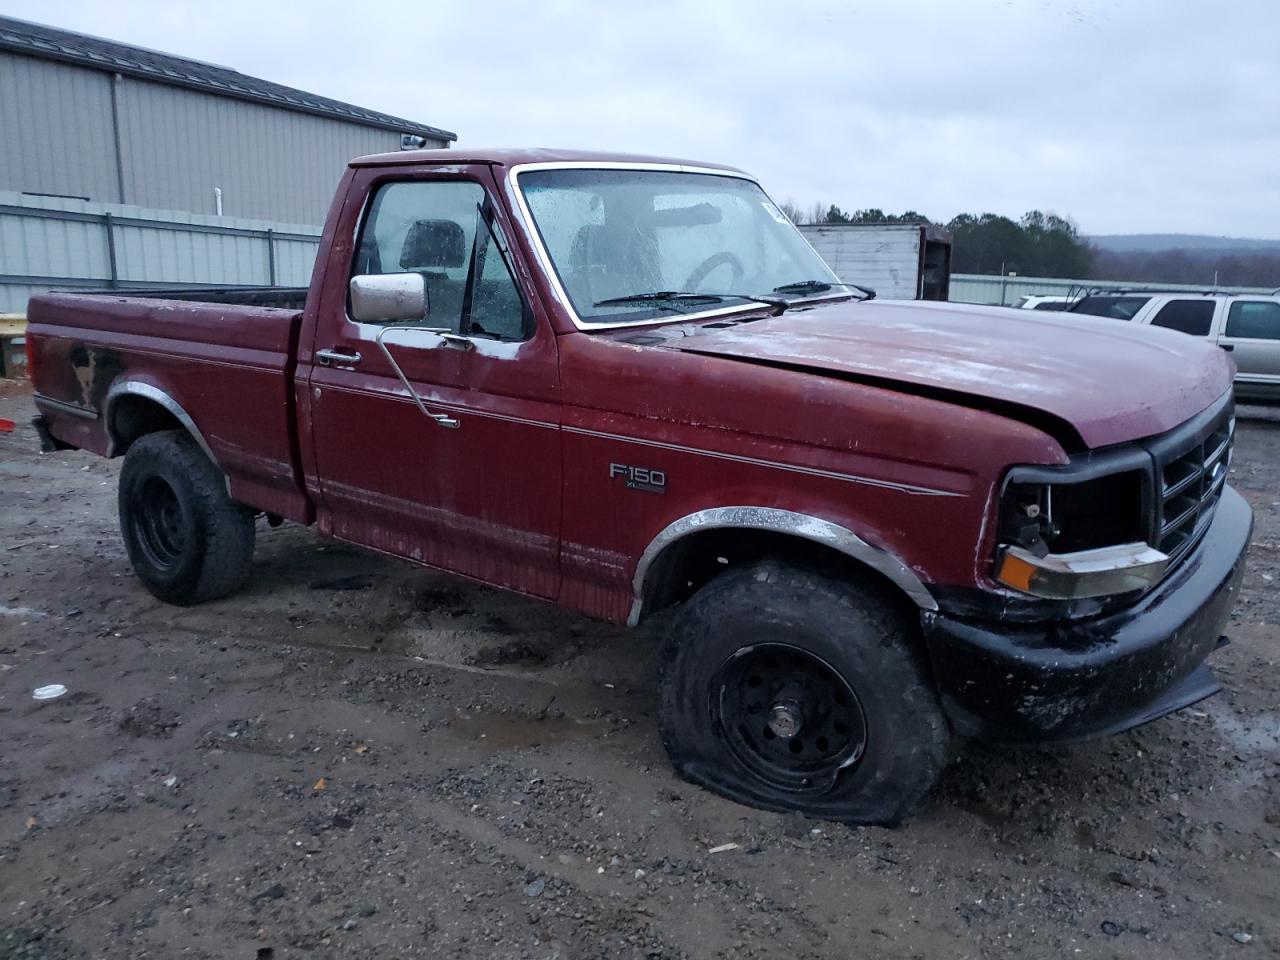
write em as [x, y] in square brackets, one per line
[387, 297]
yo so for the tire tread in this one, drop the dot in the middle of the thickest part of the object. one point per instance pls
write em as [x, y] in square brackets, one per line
[226, 528]
[770, 585]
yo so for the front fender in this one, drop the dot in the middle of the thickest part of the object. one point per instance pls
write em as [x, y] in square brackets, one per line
[786, 522]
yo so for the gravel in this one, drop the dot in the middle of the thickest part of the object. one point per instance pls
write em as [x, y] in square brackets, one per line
[493, 783]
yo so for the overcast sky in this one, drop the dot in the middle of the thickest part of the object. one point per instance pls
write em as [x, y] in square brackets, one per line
[1128, 116]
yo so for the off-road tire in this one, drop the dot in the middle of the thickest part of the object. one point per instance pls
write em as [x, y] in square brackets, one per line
[816, 622]
[187, 539]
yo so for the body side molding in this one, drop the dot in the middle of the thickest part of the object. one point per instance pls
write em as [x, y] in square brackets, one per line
[67, 407]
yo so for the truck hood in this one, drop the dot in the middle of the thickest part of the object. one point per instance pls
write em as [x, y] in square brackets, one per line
[1107, 380]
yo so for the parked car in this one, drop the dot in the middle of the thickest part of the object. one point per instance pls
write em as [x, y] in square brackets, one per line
[627, 385]
[1245, 325]
[1043, 303]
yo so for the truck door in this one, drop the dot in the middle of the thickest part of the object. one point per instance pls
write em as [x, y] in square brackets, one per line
[473, 485]
[1252, 335]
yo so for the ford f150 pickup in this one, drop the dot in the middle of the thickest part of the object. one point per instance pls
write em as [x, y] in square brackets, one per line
[628, 385]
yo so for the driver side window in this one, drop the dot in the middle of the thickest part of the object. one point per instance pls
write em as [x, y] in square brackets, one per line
[434, 228]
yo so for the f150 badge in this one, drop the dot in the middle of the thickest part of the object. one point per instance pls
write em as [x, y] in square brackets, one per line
[639, 478]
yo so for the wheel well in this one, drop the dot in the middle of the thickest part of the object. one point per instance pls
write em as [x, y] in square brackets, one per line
[689, 563]
[133, 416]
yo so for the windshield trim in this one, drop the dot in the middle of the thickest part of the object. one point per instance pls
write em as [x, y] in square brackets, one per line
[553, 276]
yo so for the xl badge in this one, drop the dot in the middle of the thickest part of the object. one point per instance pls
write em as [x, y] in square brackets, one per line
[639, 478]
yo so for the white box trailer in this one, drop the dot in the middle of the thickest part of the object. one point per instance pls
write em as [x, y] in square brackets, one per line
[900, 261]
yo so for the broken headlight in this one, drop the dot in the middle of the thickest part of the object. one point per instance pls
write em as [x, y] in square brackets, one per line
[1079, 531]
[1068, 517]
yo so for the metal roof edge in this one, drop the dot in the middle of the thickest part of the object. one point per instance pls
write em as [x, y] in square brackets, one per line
[47, 49]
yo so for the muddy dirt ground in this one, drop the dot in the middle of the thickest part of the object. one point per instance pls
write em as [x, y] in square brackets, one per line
[359, 758]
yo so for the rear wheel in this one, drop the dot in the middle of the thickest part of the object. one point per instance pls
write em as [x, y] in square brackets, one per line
[789, 690]
[187, 539]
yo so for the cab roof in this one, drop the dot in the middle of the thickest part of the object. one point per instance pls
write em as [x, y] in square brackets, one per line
[513, 156]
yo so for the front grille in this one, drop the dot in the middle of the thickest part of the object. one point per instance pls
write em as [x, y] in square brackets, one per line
[1191, 472]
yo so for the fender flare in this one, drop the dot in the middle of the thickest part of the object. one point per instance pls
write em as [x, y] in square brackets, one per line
[139, 388]
[800, 525]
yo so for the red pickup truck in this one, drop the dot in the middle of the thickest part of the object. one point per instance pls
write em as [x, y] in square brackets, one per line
[628, 384]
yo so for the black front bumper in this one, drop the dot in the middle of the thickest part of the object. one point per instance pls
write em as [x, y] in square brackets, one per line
[1071, 680]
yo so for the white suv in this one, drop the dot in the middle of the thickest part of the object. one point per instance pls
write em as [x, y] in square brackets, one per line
[1246, 325]
[1042, 303]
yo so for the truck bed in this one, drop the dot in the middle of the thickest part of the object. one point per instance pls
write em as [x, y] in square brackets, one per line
[102, 361]
[288, 298]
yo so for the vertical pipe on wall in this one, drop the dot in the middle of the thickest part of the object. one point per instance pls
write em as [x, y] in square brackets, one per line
[116, 81]
[111, 250]
[271, 256]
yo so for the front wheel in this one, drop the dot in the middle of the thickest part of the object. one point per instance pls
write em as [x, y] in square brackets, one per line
[187, 539]
[786, 689]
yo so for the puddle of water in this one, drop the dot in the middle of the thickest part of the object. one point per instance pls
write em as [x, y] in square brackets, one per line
[20, 612]
[1259, 734]
[502, 731]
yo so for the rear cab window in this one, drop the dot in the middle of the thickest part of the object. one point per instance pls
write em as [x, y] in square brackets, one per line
[1187, 316]
[1115, 307]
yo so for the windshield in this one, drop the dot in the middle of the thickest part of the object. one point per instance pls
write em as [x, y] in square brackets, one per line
[624, 234]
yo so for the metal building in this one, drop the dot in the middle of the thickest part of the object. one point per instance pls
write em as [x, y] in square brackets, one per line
[82, 117]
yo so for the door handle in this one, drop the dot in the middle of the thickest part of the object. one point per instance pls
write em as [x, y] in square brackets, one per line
[329, 358]
[455, 342]
[1227, 346]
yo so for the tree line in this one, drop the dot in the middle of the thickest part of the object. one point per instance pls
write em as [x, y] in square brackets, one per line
[1040, 244]
[1227, 268]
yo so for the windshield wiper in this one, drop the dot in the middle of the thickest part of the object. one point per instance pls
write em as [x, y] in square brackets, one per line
[818, 286]
[676, 296]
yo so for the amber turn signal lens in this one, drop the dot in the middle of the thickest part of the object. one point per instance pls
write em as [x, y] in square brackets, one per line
[1100, 572]
[1015, 572]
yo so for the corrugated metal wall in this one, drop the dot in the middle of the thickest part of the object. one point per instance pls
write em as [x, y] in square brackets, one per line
[176, 145]
[271, 164]
[49, 243]
[883, 257]
[55, 129]
[982, 288]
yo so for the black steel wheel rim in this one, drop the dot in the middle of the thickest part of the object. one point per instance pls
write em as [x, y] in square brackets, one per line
[159, 523]
[788, 716]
